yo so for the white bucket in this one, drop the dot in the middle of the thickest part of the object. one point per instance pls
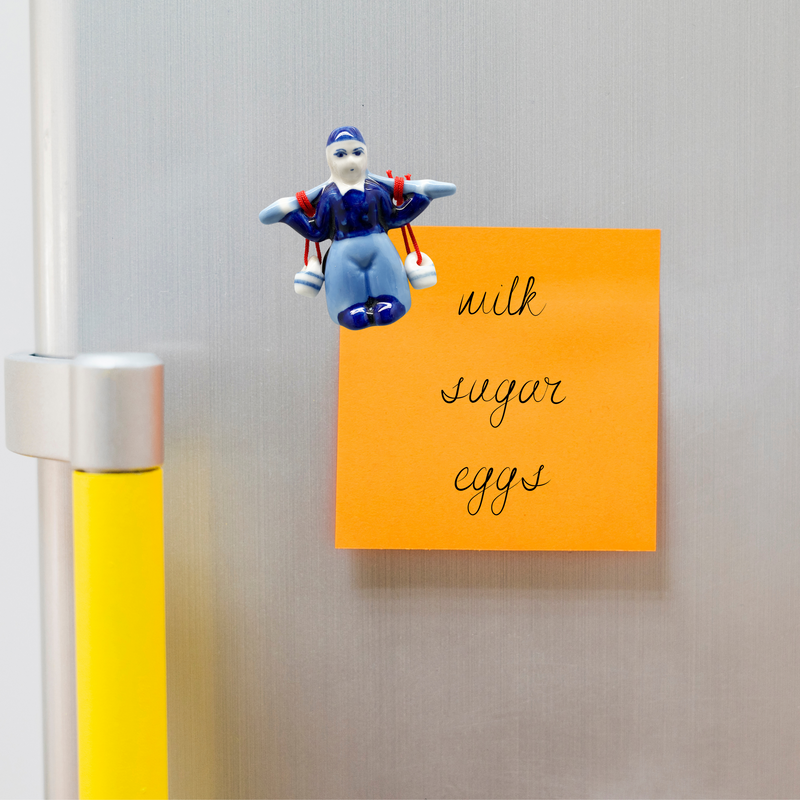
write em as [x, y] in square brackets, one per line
[310, 280]
[420, 276]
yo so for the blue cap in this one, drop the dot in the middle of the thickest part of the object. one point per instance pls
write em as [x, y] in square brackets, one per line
[342, 134]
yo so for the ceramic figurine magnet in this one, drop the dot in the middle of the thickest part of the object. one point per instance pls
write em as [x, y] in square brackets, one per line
[366, 283]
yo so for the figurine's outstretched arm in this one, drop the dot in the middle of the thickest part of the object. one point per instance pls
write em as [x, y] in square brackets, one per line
[280, 208]
[432, 189]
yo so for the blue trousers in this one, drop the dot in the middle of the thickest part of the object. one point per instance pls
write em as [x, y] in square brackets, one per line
[362, 267]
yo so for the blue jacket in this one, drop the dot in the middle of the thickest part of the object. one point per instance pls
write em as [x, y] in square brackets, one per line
[355, 214]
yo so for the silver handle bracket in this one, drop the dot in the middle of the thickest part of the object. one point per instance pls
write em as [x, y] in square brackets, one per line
[102, 412]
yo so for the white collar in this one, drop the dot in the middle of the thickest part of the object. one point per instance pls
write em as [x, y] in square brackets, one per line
[344, 188]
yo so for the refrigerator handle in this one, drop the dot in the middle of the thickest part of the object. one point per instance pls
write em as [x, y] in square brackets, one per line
[104, 414]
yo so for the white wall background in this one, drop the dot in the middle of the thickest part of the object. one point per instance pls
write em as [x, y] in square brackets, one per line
[20, 673]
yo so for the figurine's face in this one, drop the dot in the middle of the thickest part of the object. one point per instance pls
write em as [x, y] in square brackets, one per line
[348, 161]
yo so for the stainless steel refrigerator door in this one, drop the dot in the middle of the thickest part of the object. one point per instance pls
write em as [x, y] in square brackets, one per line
[299, 671]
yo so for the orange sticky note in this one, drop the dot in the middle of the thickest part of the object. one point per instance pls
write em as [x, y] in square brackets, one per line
[515, 407]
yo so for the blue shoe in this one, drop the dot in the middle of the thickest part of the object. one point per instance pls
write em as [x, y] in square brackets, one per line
[387, 309]
[355, 318]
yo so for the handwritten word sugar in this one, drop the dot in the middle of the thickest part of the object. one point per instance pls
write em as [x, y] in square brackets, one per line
[503, 396]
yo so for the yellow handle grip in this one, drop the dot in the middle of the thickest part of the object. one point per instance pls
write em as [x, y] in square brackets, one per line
[120, 634]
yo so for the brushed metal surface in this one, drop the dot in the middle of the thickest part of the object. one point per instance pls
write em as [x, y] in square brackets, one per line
[299, 671]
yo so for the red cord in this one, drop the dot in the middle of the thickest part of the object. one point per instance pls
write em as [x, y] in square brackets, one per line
[305, 204]
[398, 201]
[305, 254]
[398, 187]
[416, 246]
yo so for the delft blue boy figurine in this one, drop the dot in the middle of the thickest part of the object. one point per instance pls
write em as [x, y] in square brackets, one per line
[366, 282]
